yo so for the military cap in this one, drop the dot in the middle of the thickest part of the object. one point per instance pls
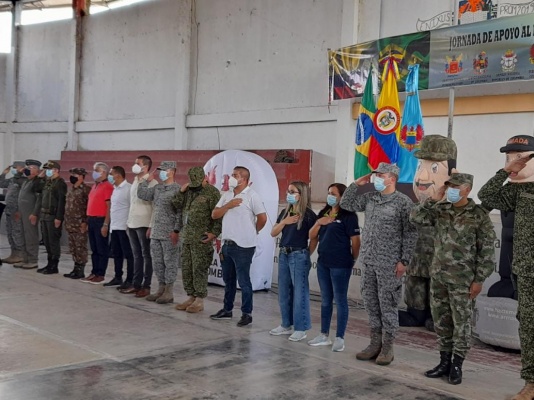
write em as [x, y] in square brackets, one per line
[519, 143]
[51, 164]
[18, 164]
[436, 148]
[33, 162]
[460, 179]
[196, 176]
[78, 171]
[165, 165]
[385, 168]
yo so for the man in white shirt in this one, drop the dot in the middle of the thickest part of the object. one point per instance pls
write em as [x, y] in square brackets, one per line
[139, 230]
[243, 215]
[120, 244]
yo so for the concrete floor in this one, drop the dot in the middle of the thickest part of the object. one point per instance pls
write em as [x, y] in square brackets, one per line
[61, 339]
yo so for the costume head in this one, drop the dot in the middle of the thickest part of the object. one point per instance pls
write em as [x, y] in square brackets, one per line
[520, 146]
[437, 158]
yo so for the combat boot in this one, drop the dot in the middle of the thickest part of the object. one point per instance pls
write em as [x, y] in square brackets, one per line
[527, 393]
[71, 272]
[14, 258]
[167, 296]
[78, 272]
[157, 295]
[52, 268]
[197, 306]
[386, 355]
[185, 304]
[443, 368]
[374, 348]
[455, 376]
[41, 270]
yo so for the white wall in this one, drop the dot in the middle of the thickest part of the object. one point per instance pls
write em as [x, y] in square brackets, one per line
[3, 99]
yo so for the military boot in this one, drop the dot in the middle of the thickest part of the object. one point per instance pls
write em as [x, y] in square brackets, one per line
[374, 348]
[157, 295]
[167, 296]
[197, 306]
[527, 393]
[443, 368]
[185, 304]
[455, 376]
[78, 272]
[71, 272]
[41, 270]
[386, 355]
[14, 258]
[52, 268]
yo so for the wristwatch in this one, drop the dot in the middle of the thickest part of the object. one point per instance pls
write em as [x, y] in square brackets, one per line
[404, 262]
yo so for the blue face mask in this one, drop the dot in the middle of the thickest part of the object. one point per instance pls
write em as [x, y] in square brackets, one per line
[111, 179]
[13, 171]
[453, 195]
[163, 175]
[331, 200]
[49, 173]
[379, 184]
[291, 198]
[96, 175]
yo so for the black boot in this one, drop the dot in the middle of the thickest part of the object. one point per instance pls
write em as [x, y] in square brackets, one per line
[52, 268]
[455, 377]
[443, 368]
[78, 272]
[41, 270]
[69, 275]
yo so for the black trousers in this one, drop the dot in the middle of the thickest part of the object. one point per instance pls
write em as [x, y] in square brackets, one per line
[51, 236]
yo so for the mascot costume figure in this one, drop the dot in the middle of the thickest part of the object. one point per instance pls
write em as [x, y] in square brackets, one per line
[437, 159]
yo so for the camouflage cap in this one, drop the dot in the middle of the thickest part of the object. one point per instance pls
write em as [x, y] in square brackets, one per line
[460, 179]
[519, 143]
[165, 165]
[436, 148]
[78, 171]
[385, 168]
[29, 162]
[18, 164]
[196, 176]
[51, 164]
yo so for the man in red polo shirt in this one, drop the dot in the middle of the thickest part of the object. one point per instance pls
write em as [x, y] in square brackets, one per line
[98, 208]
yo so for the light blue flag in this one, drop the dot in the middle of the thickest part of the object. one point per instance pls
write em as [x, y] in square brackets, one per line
[412, 129]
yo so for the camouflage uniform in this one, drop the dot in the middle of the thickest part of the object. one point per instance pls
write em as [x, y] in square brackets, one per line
[388, 237]
[196, 205]
[464, 254]
[75, 216]
[15, 233]
[518, 197]
[52, 209]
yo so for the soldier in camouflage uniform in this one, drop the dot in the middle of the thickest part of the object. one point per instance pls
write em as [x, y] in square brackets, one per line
[196, 200]
[388, 242]
[166, 225]
[520, 199]
[76, 221]
[464, 257]
[437, 158]
[15, 234]
[52, 215]
[29, 209]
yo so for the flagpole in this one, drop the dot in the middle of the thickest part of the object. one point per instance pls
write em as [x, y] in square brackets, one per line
[451, 89]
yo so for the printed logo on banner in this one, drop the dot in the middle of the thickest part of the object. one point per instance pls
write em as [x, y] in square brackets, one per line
[387, 120]
[508, 61]
[480, 63]
[454, 64]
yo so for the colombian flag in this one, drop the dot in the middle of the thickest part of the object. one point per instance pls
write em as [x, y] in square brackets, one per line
[412, 129]
[378, 128]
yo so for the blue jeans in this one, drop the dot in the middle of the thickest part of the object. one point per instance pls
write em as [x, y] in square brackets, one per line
[294, 289]
[334, 284]
[120, 246]
[236, 266]
[99, 246]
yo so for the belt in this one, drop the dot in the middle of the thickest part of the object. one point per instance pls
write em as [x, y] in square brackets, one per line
[289, 250]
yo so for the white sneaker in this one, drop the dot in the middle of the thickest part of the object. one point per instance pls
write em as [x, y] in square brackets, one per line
[280, 330]
[298, 336]
[321, 340]
[339, 344]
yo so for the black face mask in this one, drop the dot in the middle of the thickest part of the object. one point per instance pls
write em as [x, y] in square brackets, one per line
[195, 189]
[27, 172]
[73, 180]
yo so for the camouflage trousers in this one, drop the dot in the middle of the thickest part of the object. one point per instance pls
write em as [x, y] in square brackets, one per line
[416, 292]
[165, 259]
[15, 233]
[525, 315]
[78, 247]
[451, 311]
[196, 261]
[381, 292]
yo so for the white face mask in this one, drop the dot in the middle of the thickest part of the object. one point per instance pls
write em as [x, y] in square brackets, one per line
[136, 169]
[232, 183]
